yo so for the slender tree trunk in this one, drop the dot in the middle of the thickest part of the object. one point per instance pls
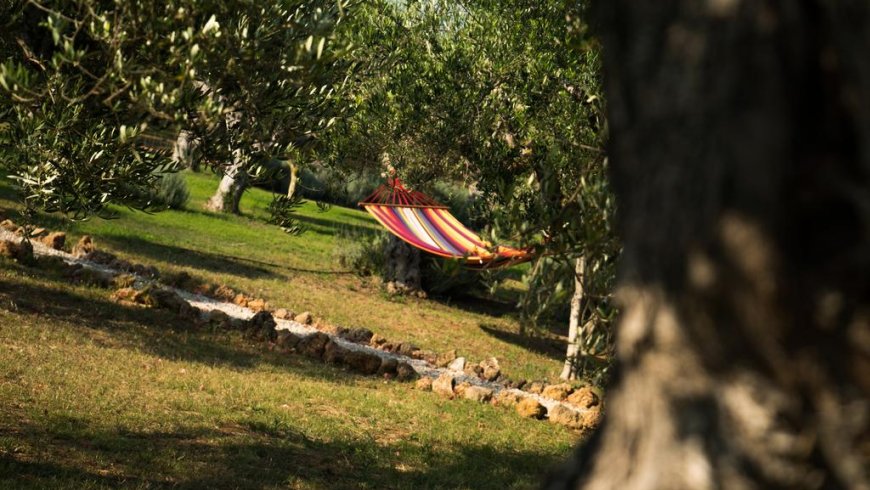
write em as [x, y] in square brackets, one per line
[294, 177]
[182, 151]
[575, 337]
[229, 192]
[740, 150]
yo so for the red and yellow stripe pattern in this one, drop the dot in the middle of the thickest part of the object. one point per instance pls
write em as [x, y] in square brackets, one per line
[436, 231]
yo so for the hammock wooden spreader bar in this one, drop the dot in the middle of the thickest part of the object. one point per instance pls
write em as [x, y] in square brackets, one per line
[428, 225]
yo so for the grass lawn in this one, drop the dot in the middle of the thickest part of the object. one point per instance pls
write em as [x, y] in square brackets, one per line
[300, 273]
[98, 395]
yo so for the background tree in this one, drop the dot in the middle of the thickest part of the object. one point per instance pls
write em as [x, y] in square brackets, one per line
[740, 160]
[270, 67]
[79, 85]
[502, 96]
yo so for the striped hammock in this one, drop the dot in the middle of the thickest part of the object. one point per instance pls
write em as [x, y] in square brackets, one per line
[428, 225]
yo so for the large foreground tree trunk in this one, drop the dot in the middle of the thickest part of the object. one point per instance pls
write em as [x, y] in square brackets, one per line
[740, 148]
[229, 192]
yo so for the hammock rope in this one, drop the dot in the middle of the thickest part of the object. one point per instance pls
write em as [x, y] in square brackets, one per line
[425, 223]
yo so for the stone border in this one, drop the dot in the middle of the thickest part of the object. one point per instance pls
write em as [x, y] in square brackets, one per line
[451, 383]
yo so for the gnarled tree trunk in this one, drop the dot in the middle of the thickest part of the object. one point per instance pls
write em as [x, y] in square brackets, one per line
[740, 149]
[402, 274]
[229, 192]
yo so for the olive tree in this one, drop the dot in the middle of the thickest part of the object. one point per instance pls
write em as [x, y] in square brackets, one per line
[740, 160]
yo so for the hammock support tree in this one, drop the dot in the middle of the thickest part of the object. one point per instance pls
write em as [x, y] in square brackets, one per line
[428, 225]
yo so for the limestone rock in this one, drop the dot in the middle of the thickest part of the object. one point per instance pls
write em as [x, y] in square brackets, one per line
[506, 398]
[100, 257]
[457, 364]
[557, 392]
[363, 362]
[38, 232]
[84, 246]
[19, 251]
[92, 277]
[334, 353]
[287, 340]
[406, 349]
[473, 370]
[424, 384]
[479, 394]
[283, 314]
[224, 292]
[304, 318]
[530, 408]
[125, 295]
[562, 415]
[55, 240]
[123, 281]
[536, 387]
[262, 326]
[8, 225]
[490, 368]
[459, 390]
[170, 300]
[425, 355]
[444, 359]
[444, 385]
[389, 366]
[584, 398]
[313, 345]
[217, 317]
[405, 372]
[258, 304]
[240, 300]
[357, 335]
[377, 340]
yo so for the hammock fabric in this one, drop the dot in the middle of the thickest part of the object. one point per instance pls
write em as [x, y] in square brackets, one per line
[428, 225]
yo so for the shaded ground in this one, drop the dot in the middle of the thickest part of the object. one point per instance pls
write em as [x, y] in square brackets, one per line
[96, 395]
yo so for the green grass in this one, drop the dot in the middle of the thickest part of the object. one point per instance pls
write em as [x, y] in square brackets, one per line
[98, 395]
[301, 274]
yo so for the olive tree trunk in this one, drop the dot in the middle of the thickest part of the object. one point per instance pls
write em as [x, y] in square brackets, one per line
[402, 271]
[740, 150]
[575, 337]
[229, 192]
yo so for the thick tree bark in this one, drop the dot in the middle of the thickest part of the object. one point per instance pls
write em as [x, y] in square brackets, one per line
[575, 337]
[402, 275]
[229, 192]
[740, 149]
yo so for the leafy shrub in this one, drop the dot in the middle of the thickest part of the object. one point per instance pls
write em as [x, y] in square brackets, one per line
[172, 191]
[361, 251]
[443, 277]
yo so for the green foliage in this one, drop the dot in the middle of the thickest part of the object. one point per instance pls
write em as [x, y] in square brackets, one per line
[450, 278]
[282, 213]
[503, 96]
[87, 87]
[172, 191]
[362, 252]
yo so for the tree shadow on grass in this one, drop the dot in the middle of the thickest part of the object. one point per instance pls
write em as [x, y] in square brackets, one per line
[152, 331]
[475, 304]
[217, 263]
[550, 347]
[247, 453]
